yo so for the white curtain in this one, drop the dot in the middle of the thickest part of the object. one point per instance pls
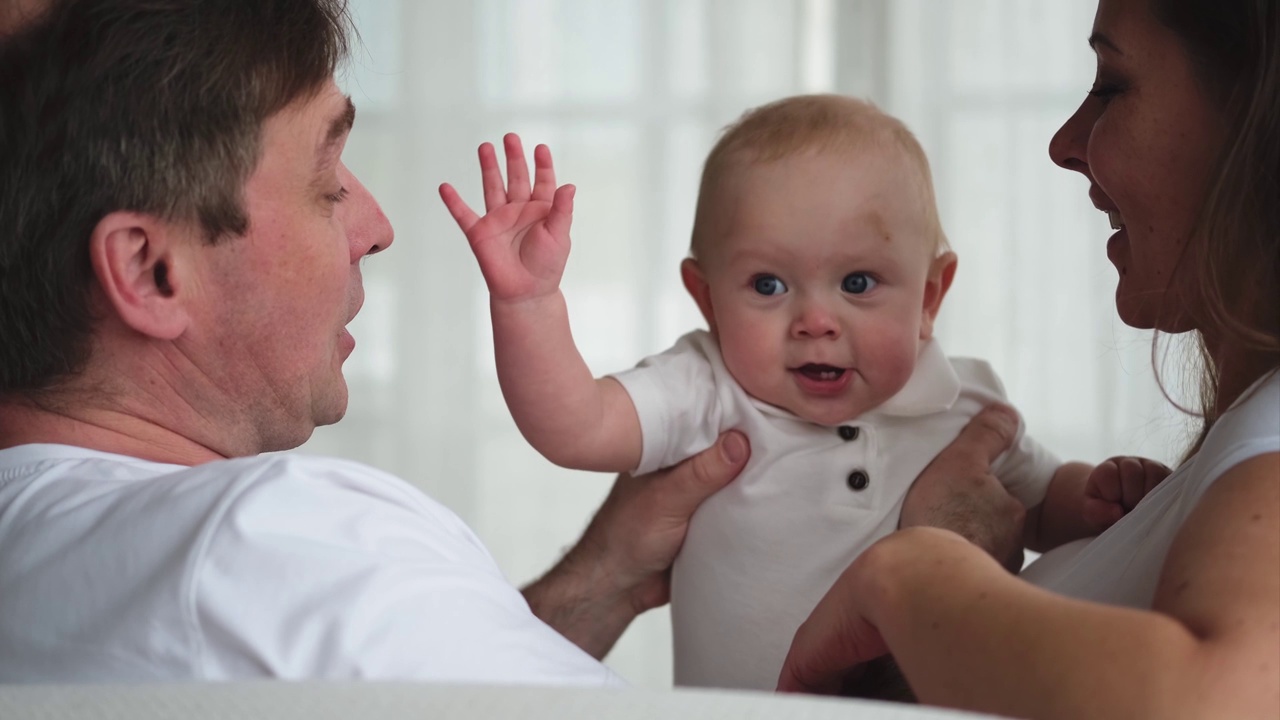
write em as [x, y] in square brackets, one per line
[630, 94]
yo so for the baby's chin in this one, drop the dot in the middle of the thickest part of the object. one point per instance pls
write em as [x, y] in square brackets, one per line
[832, 417]
[830, 413]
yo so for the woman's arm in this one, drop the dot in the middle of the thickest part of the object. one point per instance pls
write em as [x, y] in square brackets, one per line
[968, 635]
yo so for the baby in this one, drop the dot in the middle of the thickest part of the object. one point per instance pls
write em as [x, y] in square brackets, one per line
[819, 264]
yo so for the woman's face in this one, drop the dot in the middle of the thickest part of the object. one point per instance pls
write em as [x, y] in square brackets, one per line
[1147, 138]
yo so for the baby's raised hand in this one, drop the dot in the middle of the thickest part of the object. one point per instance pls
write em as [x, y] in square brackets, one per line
[1116, 485]
[522, 242]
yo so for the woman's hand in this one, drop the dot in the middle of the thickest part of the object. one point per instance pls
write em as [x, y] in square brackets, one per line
[957, 491]
[622, 565]
[841, 635]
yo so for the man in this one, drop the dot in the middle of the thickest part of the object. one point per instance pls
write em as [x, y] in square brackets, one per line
[179, 257]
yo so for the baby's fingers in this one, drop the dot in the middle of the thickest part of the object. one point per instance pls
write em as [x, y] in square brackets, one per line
[517, 169]
[458, 208]
[1154, 473]
[495, 194]
[561, 215]
[544, 174]
[1101, 514]
[1133, 481]
[1104, 482]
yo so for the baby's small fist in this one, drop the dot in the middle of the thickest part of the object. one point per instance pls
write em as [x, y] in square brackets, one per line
[1116, 485]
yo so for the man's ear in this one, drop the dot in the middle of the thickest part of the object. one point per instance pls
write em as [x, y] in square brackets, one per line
[941, 273]
[696, 283]
[133, 255]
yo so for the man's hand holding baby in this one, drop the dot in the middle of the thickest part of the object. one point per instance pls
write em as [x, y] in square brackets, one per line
[522, 242]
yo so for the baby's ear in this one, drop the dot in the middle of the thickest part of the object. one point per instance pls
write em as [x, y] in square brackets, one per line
[695, 281]
[941, 273]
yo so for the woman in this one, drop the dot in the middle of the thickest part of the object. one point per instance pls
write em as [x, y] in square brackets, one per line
[1174, 611]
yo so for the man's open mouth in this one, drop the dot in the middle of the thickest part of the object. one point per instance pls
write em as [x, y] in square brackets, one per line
[821, 373]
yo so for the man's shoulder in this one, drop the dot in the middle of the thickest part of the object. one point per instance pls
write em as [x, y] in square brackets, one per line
[64, 474]
[334, 485]
[296, 466]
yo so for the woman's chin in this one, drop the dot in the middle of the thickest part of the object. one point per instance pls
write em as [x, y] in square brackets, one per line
[1147, 313]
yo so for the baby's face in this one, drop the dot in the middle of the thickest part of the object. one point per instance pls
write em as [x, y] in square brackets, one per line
[818, 276]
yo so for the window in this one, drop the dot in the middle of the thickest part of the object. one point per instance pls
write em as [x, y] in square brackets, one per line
[630, 94]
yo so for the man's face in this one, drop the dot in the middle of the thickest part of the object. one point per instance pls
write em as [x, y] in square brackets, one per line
[275, 303]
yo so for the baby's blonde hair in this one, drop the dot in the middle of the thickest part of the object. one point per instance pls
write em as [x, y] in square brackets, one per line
[811, 123]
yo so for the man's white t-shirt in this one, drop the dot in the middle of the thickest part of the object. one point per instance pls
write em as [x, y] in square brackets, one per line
[1122, 565]
[761, 552]
[278, 566]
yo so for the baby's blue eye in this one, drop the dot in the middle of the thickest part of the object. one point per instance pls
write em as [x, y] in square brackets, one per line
[768, 285]
[857, 283]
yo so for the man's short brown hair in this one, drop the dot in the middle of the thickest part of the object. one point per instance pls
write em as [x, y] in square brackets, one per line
[153, 106]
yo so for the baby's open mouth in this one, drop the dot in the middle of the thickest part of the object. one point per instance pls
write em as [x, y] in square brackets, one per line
[822, 373]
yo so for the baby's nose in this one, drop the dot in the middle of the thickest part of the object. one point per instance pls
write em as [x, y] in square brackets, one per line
[815, 320]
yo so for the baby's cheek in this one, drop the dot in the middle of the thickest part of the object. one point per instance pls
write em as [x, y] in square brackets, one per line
[892, 361]
[753, 365]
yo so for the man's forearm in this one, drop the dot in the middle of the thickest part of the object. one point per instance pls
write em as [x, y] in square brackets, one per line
[575, 599]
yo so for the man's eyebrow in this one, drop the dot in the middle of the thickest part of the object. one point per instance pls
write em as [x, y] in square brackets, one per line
[339, 126]
[1098, 38]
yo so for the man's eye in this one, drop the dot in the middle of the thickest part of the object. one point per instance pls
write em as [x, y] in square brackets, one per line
[768, 285]
[857, 283]
[338, 196]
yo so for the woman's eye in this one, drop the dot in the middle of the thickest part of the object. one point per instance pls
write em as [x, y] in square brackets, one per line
[1104, 93]
[768, 285]
[857, 283]
[1105, 89]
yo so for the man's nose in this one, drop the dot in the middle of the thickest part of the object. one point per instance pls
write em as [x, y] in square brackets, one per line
[368, 230]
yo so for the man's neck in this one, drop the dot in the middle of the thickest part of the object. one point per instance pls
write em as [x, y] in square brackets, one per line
[107, 430]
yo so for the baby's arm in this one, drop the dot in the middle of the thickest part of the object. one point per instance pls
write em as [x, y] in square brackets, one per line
[522, 244]
[1084, 500]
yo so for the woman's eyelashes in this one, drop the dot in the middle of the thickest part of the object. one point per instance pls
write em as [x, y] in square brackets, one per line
[337, 197]
[1104, 92]
[1105, 87]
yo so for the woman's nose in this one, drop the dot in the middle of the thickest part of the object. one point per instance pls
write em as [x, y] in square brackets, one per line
[1069, 147]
